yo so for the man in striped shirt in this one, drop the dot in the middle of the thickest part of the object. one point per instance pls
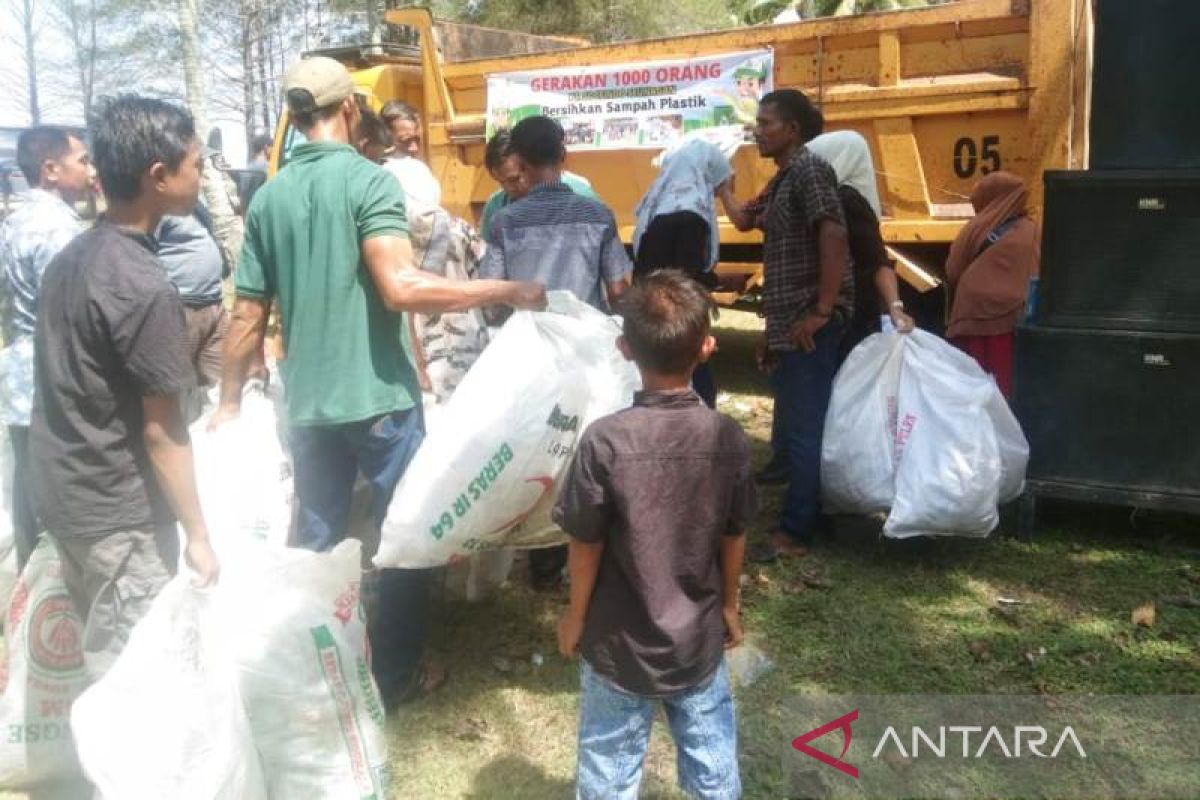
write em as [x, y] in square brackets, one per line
[561, 240]
[553, 235]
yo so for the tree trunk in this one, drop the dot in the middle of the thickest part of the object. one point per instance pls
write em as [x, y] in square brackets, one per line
[27, 20]
[89, 88]
[85, 55]
[262, 76]
[373, 30]
[247, 14]
[227, 226]
[193, 70]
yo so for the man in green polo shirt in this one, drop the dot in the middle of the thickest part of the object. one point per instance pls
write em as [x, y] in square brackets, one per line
[327, 239]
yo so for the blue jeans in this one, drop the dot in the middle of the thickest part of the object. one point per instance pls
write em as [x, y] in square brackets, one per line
[802, 383]
[614, 730]
[327, 461]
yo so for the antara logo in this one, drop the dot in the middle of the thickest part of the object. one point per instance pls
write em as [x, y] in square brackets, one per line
[1025, 740]
[842, 723]
[561, 421]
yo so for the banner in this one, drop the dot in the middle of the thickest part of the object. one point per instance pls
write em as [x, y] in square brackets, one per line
[649, 104]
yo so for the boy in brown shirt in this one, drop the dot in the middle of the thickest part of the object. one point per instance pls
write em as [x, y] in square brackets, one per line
[656, 504]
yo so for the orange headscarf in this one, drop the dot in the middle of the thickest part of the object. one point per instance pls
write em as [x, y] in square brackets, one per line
[988, 289]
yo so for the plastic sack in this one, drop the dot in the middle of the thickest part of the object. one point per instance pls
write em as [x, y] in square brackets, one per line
[488, 476]
[948, 468]
[167, 718]
[243, 473]
[45, 673]
[858, 454]
[915, 426]
[300, 646]
[1014, 448]
[8, 545]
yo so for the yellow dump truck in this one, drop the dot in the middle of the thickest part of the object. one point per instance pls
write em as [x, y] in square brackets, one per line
[944, 94]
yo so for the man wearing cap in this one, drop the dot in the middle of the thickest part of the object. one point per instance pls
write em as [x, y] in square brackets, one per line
[327, 239]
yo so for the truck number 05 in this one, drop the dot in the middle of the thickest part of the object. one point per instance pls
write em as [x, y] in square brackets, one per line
[968, 155]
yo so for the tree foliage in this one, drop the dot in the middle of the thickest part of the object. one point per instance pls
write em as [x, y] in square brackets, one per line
[82, 49]
[757, 12]
[597, 20]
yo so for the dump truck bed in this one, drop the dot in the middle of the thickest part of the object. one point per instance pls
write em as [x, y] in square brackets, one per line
[944, 95]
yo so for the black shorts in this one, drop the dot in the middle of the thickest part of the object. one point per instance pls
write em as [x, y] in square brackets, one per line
[674, 241]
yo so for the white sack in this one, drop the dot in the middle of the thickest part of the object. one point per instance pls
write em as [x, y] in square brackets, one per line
[917, 427]
[858, 465]
[45, 673]
[243, 474]
[489, 475]
[1014, 448]
[8, 547]
[300, 644]
[167, 718]
[947, 461]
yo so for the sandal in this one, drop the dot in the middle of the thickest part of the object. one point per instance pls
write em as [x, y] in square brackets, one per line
[780, 545]
[427, 679]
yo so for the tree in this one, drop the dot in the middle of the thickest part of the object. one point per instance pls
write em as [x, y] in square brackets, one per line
[227, 226]
[81, 30]
[597, 20]
[29, 23]
[756, 12]
[111, 46]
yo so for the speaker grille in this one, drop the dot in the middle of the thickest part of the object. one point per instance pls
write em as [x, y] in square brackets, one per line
[1110, 409]
[1121, 251]
[1144, 109]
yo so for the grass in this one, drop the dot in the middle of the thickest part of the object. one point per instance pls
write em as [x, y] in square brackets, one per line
[860, 615]
[873, 617]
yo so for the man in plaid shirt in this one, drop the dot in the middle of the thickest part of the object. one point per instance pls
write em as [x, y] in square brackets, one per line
[808, 296]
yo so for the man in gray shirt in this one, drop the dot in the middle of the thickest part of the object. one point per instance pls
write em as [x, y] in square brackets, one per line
[195, 266]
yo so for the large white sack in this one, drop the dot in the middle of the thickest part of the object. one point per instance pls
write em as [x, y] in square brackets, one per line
[167, 719]
[858, 466]
[44, 675]
[8, 547]
[243, 473]
[1014, 448]
[948, 471]
[300, 644]
[489, 475]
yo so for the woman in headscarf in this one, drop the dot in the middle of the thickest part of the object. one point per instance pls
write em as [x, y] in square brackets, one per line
[988, 272]
[677, 225]
[875, 287]
[677, 219]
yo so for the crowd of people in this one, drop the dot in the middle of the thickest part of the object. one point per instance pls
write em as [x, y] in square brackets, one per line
[109, 329]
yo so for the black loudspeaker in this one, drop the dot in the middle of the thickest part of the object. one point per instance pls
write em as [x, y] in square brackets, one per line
[1145, 107]
[1116, 415]
[1121, 250]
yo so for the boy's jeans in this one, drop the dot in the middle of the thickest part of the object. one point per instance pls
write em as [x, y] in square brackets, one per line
[614, 730]
[327, 461]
